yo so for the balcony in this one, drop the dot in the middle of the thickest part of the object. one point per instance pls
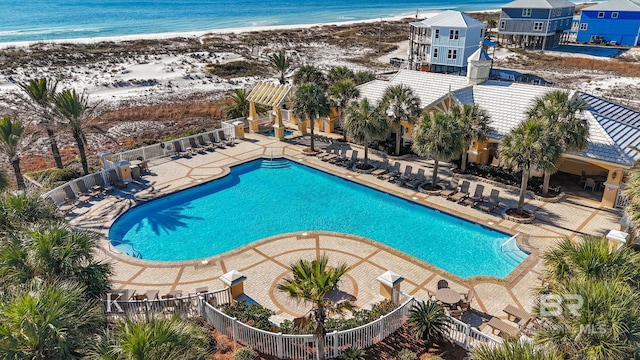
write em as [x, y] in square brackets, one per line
[422, 39]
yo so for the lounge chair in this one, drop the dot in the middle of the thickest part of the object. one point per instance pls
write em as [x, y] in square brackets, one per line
[215, 141]
[476, 197]
[451, 189]
[340, 157]
[73, 198]
[352, 161]
[328, 151]
[583, 177]
[194, 147]
[179, 151]
[406, 176]
[465, 304]
[224, 140]
[503, 327]
[462, 193]
[517, 315]
[207, 145]
[332, 155]
[114, 180]
[100, 183]
[492, 203]
[381, 169]
[80, 184]
[62, 207]
[392, 173]
[419, 179]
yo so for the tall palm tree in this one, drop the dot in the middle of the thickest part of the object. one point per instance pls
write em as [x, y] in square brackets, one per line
[338, 73]
[439, 136]
[78, 113]
[474, 124]
[43, 321]
[561, 114]
[312, 282]
[428, 322]
[511, 349]
[309, 74]
[37, 97]
[401, 105]
[159, 338]
[340, 94]
[530, 145]
[310, 102]
[281, 63]
[12, 139]
[239, 106]
[365, 125]
[51, 251]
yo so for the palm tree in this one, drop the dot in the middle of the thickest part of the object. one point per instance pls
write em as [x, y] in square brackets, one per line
[24, 209]
[281, 63]
[439, 136]
[362, 77]
[12, 136]
[401, 105]
[365, 125]
[4, 181]
[55, 251]
[632, 192]
[312, 282]
[309, 74]
[239, 106]
[428, 322]
[338, 73]
[561, 114]
[474, 124]
[37, 96]
[310, 102]
[159, 338]
[340, 94]
[511, 349]
[75, 109]
[530, 145]
[43, 321]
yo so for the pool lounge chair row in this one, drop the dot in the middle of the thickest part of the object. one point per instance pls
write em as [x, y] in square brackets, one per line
[201, 145]
[462, 196]
[79, 192]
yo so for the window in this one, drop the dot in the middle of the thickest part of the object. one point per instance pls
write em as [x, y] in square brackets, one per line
[453, 54]
[454, 34]
[614, 15]
[583, 26]
[600, 14]
[526, 12]
[502, 25]
[537, 26]
[435, 52]
[437, 35]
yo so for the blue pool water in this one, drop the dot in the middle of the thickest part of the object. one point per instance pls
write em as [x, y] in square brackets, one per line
[272, 133]
[263, 198]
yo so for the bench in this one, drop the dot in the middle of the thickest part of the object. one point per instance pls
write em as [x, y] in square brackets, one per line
[522, 316]
[503, 327]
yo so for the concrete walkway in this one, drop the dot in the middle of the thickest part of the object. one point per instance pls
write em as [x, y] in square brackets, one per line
[267, 261]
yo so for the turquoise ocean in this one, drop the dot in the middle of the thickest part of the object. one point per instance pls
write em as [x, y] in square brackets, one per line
[35, 20]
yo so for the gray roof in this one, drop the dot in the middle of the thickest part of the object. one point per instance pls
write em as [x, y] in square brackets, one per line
[538, 4]
[613, 128]
[450, 18]
[616, 5]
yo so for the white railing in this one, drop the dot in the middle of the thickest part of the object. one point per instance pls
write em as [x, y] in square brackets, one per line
[58, 196]
[144, 153]
[621, 200]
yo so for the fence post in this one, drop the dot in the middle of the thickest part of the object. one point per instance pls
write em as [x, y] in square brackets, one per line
[146, 309]
[234, 328]
[381, 331]
[467, 333]
[334, 338]
[279, 344]
[201, 307]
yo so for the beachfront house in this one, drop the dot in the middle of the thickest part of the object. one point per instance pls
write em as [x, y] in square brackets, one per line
[614, 129]
[535, 24]
[443, 43]
[615, 22]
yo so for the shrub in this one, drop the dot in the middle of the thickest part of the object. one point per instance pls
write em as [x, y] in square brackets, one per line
[352, 354]
[236, 69]
[428, 322]
[251, 314]
[245, 353]
[406, 354]
[54, 177]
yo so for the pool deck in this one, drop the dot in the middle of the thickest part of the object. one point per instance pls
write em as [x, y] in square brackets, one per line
[266, 262]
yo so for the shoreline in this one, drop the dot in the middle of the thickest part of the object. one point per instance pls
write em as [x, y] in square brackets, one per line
[237, 30]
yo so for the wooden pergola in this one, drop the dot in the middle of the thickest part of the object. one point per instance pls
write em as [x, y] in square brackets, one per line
[268, 95]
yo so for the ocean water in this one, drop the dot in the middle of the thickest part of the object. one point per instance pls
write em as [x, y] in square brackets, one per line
[34, 20]
[264, 198]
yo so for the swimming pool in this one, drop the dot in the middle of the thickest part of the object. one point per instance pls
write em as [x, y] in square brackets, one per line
[272, 133]
[263, 198]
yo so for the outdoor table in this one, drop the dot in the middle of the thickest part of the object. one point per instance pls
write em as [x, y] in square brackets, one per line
[599, 179]
[448, 296]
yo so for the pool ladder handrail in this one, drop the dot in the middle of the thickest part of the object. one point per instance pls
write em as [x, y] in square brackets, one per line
[508, 241]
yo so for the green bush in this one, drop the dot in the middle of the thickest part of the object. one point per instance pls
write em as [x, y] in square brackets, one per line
[4, 180]
[236, 69]
[352, 354]
[245, 353]
[406, 354]
[251, 314]
[54, 177]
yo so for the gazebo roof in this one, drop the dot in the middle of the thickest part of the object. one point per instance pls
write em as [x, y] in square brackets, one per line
[269, 94]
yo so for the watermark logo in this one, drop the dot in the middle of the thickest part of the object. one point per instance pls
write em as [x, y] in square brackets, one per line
[556, 305]
[112, 300]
